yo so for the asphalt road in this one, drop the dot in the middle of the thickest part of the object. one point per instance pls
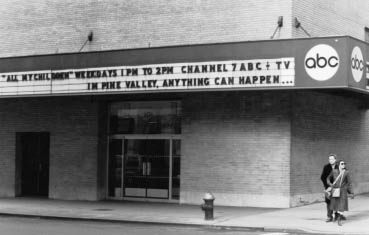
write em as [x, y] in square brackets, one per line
[35, 226]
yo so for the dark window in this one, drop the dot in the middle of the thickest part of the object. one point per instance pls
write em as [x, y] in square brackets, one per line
[157, 117]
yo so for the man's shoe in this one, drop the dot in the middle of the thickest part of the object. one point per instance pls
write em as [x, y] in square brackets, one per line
[329, 219]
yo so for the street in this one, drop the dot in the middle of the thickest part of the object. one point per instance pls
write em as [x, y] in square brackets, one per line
[36, 226]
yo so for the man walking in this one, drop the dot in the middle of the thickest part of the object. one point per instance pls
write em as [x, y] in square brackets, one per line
[326, 171]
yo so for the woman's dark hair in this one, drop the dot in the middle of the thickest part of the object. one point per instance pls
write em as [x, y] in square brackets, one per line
[339, 162]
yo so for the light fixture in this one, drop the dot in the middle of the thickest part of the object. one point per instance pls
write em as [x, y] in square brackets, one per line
[279, 25]
[89, 39]
[298, 25]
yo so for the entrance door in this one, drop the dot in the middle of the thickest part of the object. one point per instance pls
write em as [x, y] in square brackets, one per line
[144, 150]
[34, 154]
[144, 168]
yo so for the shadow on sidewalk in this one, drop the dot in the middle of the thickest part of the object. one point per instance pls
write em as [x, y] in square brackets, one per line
[363, 215]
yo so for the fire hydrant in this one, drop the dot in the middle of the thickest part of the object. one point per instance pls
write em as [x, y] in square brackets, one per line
[208, 206]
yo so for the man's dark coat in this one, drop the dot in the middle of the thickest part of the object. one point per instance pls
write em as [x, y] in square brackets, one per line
[326, 171]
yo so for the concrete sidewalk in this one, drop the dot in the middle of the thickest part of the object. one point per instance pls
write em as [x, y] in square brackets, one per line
[310, 218]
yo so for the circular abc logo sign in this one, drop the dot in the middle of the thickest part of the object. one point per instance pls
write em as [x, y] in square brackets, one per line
[357, 64]
[321, 62]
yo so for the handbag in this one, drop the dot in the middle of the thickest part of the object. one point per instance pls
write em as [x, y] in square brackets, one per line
[336, 192]
[330, 190]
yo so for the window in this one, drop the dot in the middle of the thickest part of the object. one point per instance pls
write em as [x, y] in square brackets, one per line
[154, 117]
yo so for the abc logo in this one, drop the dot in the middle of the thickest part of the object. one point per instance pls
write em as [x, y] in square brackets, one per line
[357, 64]
[321, 62]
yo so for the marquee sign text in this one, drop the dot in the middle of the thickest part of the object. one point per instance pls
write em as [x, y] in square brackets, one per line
[156, 77]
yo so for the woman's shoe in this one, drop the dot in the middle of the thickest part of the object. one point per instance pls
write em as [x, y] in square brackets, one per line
[339, 220]
[336, 216]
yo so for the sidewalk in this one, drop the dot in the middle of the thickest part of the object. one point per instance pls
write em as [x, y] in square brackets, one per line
[310, 218]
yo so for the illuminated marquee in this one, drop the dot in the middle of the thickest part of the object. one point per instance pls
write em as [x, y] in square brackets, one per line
[158, 77]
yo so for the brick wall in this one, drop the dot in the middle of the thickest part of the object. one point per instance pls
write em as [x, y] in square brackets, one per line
[325, 123]
[236, 145]
[241, 146]
[72, 123]
[51, 26]
[331, 17]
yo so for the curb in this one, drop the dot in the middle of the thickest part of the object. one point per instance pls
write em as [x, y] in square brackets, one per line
[194, 225]
[206, 226]
[66, 218]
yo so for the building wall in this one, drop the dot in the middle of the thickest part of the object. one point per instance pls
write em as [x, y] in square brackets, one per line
[51, 26]
[244, 147]
[237, 146]
[325, 123]
[72, 123]
[331, 17]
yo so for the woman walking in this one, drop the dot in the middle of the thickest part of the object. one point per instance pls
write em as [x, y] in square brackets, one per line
[341, 187]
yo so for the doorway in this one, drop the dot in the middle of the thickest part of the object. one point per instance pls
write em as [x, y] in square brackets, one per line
[144, 150]
[144, 167]
[33, 163]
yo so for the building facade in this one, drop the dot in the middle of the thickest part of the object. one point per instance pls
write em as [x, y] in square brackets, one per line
[167, 101]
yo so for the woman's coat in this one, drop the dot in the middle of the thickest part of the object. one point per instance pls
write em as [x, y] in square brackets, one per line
[340, 203]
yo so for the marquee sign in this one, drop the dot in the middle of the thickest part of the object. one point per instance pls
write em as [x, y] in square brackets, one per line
[367, 75]
[229, 74]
